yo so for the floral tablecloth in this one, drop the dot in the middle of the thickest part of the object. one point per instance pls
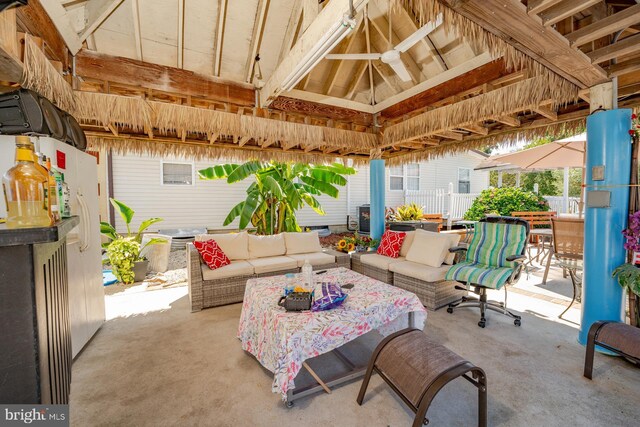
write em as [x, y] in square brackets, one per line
[282, 340]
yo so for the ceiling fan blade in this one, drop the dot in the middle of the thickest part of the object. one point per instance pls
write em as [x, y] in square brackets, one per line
[400, 70]
[418, 35]
[354, 56]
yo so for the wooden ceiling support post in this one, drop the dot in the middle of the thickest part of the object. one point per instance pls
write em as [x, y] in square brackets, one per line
[135, 10]
[180, 34]
[222, 18]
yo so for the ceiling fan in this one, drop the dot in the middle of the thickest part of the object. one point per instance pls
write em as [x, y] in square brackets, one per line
[392, 56]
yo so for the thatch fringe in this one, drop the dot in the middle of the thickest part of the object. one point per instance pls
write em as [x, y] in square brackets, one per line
[508, 138]
[40, 76]
[474, 34]
[113, 109]
[525, 95]
[201, 152]
[182, 118]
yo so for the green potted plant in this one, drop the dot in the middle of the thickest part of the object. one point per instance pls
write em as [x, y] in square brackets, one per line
[628, 274]
[123, 250]
[408, 217]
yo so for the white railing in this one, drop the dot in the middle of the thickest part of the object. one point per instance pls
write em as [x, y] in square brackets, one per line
[556, 203]
[451, 205]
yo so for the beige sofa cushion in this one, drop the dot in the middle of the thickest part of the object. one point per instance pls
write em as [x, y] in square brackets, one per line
[406, 243]
[315, 258]
[454, 240]
[429, 248]
[271, 264]
[379, 261]
[266, 246]
[236, 268]
[302, 243]
[234, 245]
[420, 271]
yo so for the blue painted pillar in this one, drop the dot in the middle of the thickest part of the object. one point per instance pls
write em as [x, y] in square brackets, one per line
[608, 145]
[376, 191]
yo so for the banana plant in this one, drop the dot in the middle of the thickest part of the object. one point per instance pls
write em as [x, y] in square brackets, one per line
[278, 191]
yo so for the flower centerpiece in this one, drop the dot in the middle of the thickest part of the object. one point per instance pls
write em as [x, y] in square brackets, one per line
[356, 242]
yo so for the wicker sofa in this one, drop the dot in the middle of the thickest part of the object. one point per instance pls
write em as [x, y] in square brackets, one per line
[425, 281]
[253, 256]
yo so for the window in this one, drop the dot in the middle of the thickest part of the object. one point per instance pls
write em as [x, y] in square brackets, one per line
[396, 178]
[464, 180]
[177, 173]
[404, 177]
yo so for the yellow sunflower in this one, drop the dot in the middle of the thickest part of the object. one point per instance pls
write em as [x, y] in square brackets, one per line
[351, 247]
[342, 244]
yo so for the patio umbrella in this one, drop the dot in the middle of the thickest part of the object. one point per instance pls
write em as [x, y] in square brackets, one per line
[563, 153]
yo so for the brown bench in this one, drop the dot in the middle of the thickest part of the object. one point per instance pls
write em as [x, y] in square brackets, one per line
[416, 368]
[617, 337]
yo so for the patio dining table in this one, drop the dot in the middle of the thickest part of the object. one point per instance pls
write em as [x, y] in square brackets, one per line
[283, 341]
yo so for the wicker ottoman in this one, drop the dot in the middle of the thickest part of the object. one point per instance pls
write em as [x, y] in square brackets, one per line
[433, 295]
[417, 368]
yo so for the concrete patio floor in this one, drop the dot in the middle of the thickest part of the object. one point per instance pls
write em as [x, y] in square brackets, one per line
[155, 363]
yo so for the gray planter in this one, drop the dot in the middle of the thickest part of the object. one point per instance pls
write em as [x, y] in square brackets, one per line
[140, 270]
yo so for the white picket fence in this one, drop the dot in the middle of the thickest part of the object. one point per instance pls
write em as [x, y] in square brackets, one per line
[453, 206]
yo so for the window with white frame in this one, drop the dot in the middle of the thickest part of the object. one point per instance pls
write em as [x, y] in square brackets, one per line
[404, 177]
[177, 173]
[464, 180]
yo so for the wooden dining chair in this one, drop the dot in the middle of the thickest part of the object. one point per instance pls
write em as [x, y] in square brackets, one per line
[568, 248]
[536, 220]
[437, 218]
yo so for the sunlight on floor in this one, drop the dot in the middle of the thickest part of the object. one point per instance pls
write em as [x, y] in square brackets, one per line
[137, 301]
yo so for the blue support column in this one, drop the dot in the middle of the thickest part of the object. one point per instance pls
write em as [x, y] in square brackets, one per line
[608, 145]
[376, 191]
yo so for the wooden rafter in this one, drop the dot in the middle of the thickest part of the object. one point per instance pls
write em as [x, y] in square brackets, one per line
[536, 6]
[33, 19]
[292, 29]
[361, 68]
[337, 66]
[372, 87]
[609, 25]
[528, 35]
[60, 18]
[546, 112]
[98, 12]
[625, 46]
[509, 120]
[256, 38]
[564, 10]
[135, 9]
[221, 21]
[180, 33]
[624, 67]
[387, 77]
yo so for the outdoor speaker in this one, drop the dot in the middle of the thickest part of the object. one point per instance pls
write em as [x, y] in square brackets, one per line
[24, 111]
[74, 134]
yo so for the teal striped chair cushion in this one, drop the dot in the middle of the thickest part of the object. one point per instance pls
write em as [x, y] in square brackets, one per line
[486, 262]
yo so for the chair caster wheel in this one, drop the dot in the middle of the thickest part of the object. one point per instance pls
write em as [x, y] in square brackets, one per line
[288, 404]
[517, 322]
[482, 323]
[449, 309]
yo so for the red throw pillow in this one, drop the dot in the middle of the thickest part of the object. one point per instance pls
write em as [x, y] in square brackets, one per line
[211, 254]
[391, 243]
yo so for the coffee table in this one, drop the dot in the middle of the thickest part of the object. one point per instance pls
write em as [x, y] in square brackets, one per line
[283, 341]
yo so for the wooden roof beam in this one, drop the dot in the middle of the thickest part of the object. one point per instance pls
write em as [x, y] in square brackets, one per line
[98, 12]
[449, 135]
[61, 20]
[10, 64]
[355, 79]
[292, 29]
[336, 66]
[180, 34]
[146, 75]
[135, 10]
[221, 21]
[479, 129]
[624, 67]
[609, 25]
[256, 38]
[564, 10]
[528, 35]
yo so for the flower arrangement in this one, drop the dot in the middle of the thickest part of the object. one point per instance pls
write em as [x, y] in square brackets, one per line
[632, 233]
[628, 274]
[634, 132]
[349, 244]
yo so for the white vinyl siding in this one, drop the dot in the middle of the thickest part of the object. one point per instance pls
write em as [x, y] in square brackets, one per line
[137, 181]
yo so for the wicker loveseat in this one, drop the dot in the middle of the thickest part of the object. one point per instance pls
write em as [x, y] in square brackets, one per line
[253, 256]
[427, 282]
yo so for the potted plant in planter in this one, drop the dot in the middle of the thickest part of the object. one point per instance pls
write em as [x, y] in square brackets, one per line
[628, 274]
[123, 250]
[408, 218]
